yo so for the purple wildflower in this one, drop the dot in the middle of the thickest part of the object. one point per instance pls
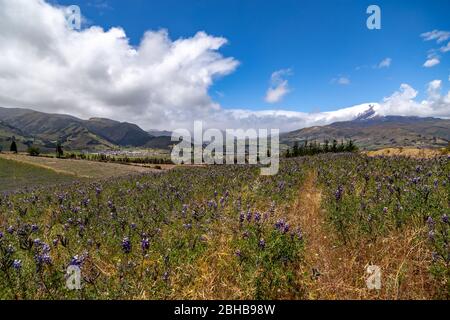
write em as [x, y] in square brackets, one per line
[10, 230]
[126, 245]
[17, 265]
[145, 244]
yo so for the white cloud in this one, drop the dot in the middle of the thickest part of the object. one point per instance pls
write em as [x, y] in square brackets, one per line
[402, 103]
[159, 83]
[385, 63]
[438, 35]
[341, 80]
[446, 48]
[431, 62]
[279, 86]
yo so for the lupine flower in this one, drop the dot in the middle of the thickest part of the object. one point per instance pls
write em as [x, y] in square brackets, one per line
[17, 265]
[430, 222]
[145, 244]
[10, 249]
[338, 193]
[262, 243]
[166, 276]
[249, 216]
[385, 210]
[10, 230]
[444, 219]
[34, 228]
[431, 235]
[42, 255]
[1, 235]
[257, 217]
[126, 245]
[76, 261]
[238, 253]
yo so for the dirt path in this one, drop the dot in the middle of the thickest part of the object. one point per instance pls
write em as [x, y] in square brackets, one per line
[336, 271]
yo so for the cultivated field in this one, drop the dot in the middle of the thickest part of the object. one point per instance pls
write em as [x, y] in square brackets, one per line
[15, 175]
[78, 168]
[225, 232]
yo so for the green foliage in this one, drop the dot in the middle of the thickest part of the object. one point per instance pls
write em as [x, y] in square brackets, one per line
[33, 151]
[313, 148]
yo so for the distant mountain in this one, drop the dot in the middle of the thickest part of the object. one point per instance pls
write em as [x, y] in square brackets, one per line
[160, 133]
[371, 131]
[44, 130]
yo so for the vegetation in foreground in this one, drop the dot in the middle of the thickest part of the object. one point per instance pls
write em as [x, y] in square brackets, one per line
[221, 231]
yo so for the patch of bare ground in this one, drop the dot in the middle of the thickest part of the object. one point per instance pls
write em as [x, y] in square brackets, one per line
[419, 153]
[333, 270]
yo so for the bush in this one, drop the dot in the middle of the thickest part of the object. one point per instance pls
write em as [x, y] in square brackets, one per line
[34, 151]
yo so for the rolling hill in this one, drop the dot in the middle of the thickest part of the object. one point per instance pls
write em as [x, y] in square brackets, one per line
[44, 130]
[370, 131]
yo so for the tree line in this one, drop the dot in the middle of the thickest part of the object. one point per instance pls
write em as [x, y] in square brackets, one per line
[311, 148]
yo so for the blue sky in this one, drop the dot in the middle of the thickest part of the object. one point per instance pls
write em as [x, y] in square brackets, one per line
[317, 40]
[232, 64]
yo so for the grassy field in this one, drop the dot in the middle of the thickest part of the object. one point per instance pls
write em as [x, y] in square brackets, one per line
[15, 175]
[78, 168]
[225, 232]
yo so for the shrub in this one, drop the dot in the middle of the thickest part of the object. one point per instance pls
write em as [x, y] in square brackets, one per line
[33, 151]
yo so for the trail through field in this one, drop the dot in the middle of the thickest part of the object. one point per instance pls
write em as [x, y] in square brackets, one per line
[333, 270]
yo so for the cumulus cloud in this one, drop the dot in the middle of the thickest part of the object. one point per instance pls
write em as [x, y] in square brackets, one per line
[93, 72]
[279, 86]
[385, 63]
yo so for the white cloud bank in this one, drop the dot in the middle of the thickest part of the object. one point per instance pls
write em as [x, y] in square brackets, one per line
[160, 84]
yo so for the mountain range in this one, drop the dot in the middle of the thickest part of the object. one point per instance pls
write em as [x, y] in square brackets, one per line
[367, 128]
[370, 131]
[45, 130]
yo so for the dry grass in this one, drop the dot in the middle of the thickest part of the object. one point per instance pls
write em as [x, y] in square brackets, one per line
[402, 256]
[78, 168]
[407, 152]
